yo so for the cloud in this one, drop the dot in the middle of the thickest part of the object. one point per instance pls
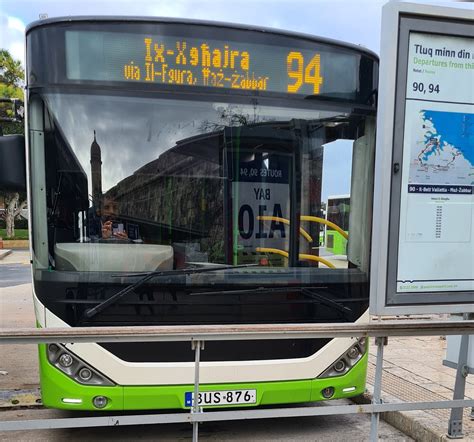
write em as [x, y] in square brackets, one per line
[357, 22]
[12, 36]
[14, 23]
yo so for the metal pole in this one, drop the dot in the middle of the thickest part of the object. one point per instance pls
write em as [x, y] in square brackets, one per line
[231, 332]
[196, 345]
[376, 399]
[455, 420]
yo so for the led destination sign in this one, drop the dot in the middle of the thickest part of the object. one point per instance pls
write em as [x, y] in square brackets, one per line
[192, 65]
[171, 60]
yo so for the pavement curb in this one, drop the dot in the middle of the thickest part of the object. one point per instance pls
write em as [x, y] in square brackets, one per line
[403, 421]
[12, 399]
[4, 252]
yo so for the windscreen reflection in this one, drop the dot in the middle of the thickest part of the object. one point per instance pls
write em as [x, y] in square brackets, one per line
[137, 184]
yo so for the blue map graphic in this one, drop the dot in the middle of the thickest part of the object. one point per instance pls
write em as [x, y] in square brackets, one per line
[456, 129]
[442, 149]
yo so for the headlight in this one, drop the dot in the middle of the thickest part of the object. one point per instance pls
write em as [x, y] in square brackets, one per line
[66, 360]
[328, 392]
[353, 352]
[75, 368]
[100, 401]
[340, 366]
[85, 374]
[346, 361]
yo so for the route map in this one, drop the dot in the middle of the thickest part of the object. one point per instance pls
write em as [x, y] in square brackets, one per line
[443, 152]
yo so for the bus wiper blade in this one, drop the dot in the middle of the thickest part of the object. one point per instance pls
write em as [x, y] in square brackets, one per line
[91, 312]
[306, 291]
[252, 291]
[328, 301]
[202, 269]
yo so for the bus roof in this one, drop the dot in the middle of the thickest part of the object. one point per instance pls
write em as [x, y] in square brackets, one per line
[338, 197]
[118, 19]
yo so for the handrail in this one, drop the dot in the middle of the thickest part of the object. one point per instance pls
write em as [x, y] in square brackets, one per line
[318, 259]
[314, 219]
[303, 232]
[301, 255]
[234, 332]
[272, 250]
[317, 219]
[198, 334]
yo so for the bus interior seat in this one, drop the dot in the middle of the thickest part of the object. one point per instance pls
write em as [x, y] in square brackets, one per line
[103, 257]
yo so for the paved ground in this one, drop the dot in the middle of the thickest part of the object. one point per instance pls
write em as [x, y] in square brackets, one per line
[18, 363]
[14, 274]
[15, 268]
[19, 370]
[17, 256]
[4, 253]
[413, 371]
[327, 428]
[16, 310]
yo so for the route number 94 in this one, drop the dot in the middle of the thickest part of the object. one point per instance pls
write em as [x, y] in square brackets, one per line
[419, 86]
[299, 72]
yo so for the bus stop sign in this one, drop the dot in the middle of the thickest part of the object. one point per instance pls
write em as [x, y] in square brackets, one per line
[423, 237]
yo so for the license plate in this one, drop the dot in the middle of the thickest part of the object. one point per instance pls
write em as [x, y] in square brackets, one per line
[221, 397]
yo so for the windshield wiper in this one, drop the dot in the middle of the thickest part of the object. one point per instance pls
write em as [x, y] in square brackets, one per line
[91, 312]
[309, 291]
[306, 291]
[197, 268]
[256, 290]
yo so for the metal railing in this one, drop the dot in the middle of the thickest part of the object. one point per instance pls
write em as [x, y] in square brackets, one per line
[197, 335]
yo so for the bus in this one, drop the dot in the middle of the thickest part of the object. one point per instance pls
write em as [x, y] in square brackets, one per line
[174, 174]
[337, 212]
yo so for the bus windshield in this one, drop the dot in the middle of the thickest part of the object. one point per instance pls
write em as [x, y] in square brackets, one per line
[130, 179]
[208, 182]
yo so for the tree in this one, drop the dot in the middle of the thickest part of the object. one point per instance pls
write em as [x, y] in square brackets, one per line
[11, 81]
[12, 78]
[13, 209]
[11, 71]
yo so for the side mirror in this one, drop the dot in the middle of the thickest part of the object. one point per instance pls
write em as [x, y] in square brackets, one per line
[12, 163]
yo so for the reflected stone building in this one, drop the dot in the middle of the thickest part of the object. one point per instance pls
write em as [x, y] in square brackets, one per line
[96, 173]
[176, 198]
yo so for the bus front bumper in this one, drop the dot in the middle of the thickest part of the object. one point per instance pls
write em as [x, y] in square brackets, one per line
[61, 392]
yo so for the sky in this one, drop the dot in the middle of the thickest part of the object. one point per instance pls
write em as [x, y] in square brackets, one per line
[354, 21]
